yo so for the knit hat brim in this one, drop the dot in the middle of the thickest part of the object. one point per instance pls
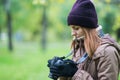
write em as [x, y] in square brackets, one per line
[82, 21]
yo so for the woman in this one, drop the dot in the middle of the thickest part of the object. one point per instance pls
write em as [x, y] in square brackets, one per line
[103, 61]
[98, 55]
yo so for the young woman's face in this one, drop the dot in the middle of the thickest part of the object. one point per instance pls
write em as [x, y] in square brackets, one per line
[76, 31]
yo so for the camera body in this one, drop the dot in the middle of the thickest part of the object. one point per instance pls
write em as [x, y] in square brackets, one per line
[56, 61]
[59, 66]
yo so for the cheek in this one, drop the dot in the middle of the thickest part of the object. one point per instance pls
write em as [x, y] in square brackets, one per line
[80, 33]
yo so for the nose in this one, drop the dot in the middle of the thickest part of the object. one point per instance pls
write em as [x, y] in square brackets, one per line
[73, 33]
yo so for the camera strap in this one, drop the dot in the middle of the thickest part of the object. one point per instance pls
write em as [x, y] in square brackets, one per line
[69, 54]
[83, 58]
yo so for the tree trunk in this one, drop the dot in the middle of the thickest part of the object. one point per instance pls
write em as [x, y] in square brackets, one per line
[118, 34]
[7, 4]
[44, 29]
[9, 31]
[0, 32]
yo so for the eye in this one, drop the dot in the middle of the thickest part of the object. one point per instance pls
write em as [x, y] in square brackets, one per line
[76, 28]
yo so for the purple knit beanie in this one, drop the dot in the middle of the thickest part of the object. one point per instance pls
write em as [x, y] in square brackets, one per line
[83, 14]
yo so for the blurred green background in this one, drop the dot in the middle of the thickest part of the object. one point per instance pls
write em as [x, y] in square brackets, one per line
[33, 31]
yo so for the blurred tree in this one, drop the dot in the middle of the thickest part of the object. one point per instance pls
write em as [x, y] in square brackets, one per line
[8, 15]
[108, 22]
[107, 13]
[0, 31]
[111, 1]
[1, 4]
[46, 19]
[58, 18]
[44, 22]
[44, 27]
[116, 27]
[118, 34]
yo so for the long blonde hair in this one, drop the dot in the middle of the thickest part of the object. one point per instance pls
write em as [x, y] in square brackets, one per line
[91, 41]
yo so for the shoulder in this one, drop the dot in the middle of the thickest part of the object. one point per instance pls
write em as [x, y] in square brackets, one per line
[106, 56]
[107, 62]
[105, 50]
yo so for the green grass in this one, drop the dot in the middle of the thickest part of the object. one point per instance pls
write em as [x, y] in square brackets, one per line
[28, 61]
[119, 77]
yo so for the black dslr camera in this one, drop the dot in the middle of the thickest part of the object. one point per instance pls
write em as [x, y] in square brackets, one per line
[59, 66]
[56, 61]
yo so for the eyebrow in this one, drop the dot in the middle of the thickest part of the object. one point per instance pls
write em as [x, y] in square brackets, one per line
[72, 26]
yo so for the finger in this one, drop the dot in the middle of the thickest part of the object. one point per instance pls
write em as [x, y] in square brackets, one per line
[54, 71]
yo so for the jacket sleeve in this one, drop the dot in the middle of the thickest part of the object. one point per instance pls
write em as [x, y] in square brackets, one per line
[82, 75]
[64, 78]
[79, 75]
[108, 65]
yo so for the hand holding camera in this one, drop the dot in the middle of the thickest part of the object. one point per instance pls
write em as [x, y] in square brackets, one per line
[60, 67]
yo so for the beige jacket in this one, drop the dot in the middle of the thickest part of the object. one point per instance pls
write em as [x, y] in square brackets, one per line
[104, 65]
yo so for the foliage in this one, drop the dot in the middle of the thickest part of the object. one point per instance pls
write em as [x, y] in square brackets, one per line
[59, 19]
[27, 17]
[108, 15]
[2, 17]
